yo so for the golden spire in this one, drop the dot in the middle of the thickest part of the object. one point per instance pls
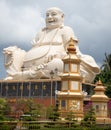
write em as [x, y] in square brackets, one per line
[99, 82]
[71, 48]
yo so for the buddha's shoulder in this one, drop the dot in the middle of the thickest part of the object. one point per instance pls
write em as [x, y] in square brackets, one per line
[66, 28]
[62, 28]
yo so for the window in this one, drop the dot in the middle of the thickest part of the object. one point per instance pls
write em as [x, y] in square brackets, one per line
[65, 85]
[74, 68]
[97, 108]
[74, 85]
[66, 67]
[63, 103]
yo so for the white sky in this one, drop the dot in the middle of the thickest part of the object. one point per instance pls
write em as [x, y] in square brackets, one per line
[20, 20]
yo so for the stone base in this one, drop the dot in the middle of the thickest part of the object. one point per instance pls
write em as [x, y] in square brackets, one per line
[104, 121]
[77, 115]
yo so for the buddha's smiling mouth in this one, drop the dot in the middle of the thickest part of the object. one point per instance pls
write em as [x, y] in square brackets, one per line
[51, 21]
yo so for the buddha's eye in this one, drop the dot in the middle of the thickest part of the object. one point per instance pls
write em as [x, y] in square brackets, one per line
[47, 15]
[53, 14]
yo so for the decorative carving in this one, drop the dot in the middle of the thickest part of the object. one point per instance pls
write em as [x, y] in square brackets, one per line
[74, 105]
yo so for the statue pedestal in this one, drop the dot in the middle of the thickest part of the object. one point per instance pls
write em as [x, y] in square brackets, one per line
[37, 89]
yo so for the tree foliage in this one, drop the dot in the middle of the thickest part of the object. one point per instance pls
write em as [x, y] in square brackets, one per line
[107, 63]
[70, 116]
[105, 74]
[30, 107]
[4, 109]
[89, 118]
[52, 113]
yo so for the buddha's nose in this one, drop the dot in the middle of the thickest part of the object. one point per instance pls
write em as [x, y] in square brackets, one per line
[50, 16]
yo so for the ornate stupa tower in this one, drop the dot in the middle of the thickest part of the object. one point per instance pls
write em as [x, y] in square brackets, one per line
[99, 101]
[70, 97]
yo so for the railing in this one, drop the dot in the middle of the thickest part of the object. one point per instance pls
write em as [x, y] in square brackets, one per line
[33, 125]
[7, 125]
[48, 125]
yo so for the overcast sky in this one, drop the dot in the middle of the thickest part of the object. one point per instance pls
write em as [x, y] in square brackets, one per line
[90, 20]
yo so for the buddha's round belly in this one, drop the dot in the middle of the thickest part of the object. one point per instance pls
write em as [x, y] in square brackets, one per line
[42, 54]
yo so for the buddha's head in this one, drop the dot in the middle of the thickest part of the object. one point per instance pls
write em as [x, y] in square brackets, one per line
[54, 18]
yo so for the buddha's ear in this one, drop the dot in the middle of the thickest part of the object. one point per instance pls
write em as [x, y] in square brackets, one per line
[62, 15]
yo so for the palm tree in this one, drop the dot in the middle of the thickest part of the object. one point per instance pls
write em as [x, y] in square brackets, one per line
[105, 75]
[107, 63]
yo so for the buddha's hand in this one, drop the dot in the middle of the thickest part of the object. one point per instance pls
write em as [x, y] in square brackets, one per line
[51, 57]
[40, 67]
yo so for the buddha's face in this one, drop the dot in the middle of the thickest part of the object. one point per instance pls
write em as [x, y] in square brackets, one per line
[54, 18]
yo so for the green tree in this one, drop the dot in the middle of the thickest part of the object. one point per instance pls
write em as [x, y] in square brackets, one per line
[52, 113]
[107, 63]
[105, 75]
[72, 122]
[89, 118]
[105, 70]
[30, 107]
[4, 109]
[108, 91]
[70, 116]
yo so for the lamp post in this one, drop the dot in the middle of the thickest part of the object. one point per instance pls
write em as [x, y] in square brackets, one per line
[56, 72]
[17, 94]
[29, 89]
[22, 69]
[51, 75]
[7, 91]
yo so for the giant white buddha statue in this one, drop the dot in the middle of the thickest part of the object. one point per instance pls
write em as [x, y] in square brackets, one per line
[48, 48]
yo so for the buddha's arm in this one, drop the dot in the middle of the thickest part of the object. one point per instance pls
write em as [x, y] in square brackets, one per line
[67, 34]
[36, 39]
